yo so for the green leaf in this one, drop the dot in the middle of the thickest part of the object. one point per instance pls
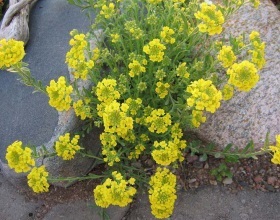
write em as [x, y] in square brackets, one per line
[227, 148]
[218, 155]
[203, 157]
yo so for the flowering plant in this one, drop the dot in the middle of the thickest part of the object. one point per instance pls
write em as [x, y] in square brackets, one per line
[154, 73]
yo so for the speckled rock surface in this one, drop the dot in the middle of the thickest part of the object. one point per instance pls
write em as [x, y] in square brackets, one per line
[249, 116]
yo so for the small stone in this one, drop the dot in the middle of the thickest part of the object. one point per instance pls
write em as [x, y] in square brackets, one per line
[206, 166]
[258, 179]
[213, 182]
[271, 180]
[191, 159]
[243, 201]
[227, 181]
[191, 180]
[197, 164]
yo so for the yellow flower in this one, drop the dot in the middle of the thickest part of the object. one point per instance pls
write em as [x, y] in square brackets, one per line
[37, 179]
[108, 11]
[136, 68]
[165, 153]
[82, 109]
[162, 193]
[155, 50]
[108, 139]
[162, 89]
[154, 1]
[134, 105]
[243, 75]
[255, 3]
[139, 148]
[205, 96]
[76, 57]
[227, 92]
[59, 94]
[11, 52]
[116, 191]
[133, 29]
[226, 56]
[182, 70]
[211, 19]
[258, 52]
[67, 148]
[276, 151]
[19, 158]
[116, 120]
[158, 121]
[166, 35]
[197, 118]
[106, 92]
[115, 38]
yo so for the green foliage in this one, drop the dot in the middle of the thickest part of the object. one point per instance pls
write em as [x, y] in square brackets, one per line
[221, 172]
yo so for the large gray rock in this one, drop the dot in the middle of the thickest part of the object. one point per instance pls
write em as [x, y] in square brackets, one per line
[249, 116]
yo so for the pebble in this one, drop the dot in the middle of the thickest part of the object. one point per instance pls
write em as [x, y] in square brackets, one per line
[191, 159]
[191, 180]
[227, 181]
[258, 179]
[197, 164]
[243, 201]
[213, 182]
[206, 166]
[271, 180]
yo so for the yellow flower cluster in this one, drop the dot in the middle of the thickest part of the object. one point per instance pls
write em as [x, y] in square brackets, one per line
[165, 153]
[108, 11]
[134, 105]
[276, 151]
[106, 91]
[227, 92]
[211, 19]
[133, 29]
[158, 121]
[166, 35]
[154, 1]
[77, 57]
[136, 68]
[226, 56]
[258, 52]
[139, 148]
[37, 179]
[116, 120]
[109, 141]
[19, 158]
[162, 89]
[197, 118]
[82, 109]
[11, 52]
[256, 3]
[205, 96]
[243, 75]
[115, 38]
[155, 50]
[115, 192]
[59, 94]
[67, 148]
[182, 70]
[162, 193]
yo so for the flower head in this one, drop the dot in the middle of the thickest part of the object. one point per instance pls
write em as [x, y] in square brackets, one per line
[162, 89]
[162, 193]
[211, 19]
[37, 179]
[166, 35]
[204, 96]
[19, 158]
[106, 90]
[67, 148]
[276, 151]
[11, 52]
[155, 50]
[59, 94]
[108, 11]
[117, 191]
[243, 75]
[226, 56]
[158, 121]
